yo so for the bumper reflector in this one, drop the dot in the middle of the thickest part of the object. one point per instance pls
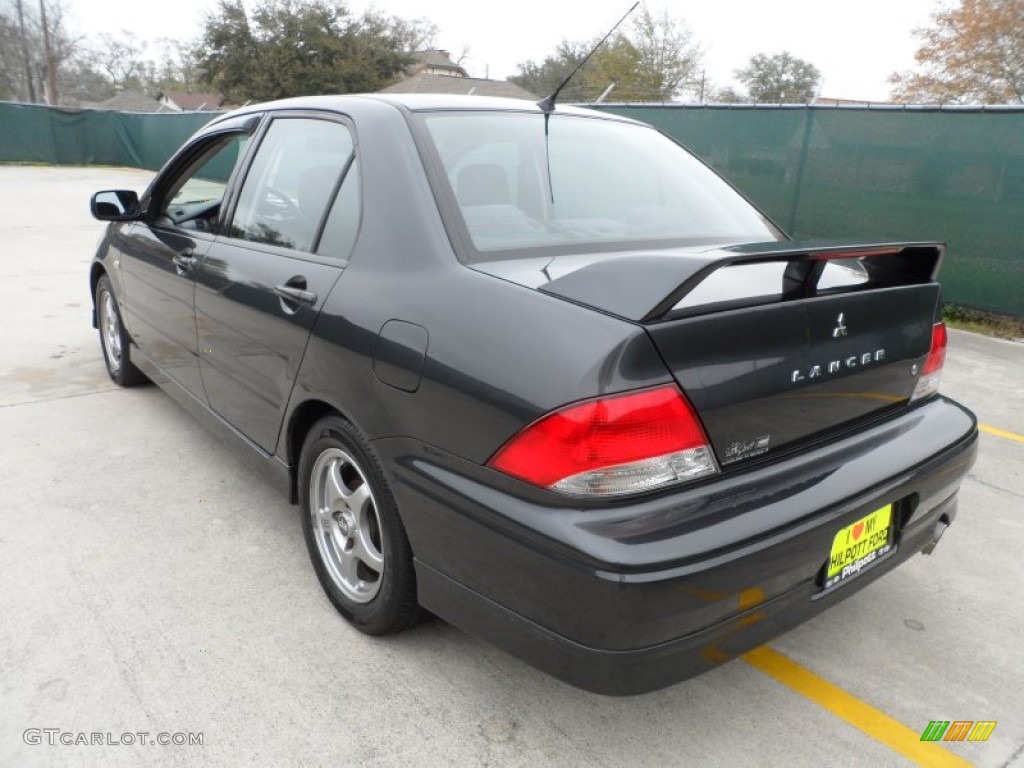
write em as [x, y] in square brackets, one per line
[642, 475]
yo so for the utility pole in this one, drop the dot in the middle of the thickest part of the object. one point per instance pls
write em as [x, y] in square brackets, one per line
[24, 54]
[50, 70]
[604, 93]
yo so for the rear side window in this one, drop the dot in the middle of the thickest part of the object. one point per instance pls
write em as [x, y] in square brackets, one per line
[525, 181]
[292, 180]
[342, 225]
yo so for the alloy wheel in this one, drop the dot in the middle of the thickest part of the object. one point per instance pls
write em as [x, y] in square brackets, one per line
[110, 331]
[346, 525]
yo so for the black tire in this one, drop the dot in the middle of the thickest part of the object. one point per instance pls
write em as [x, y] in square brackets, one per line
[336, 459]
[114, 340]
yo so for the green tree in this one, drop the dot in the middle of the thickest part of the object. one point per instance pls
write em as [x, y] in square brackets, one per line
[544, 77]
[972, 53]
[654, 59]
[300, 47]
[779, 79]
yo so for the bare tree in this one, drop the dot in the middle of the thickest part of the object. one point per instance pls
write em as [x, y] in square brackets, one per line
[49, 59]
[178, 66]
[37, 49]
[669, 55]
[122, 59]
[24, 51]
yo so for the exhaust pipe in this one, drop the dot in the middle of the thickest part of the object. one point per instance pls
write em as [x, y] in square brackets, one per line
[940, 528]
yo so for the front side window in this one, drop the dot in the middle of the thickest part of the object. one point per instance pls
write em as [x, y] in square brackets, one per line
[292, 180]
[193, 199]
[526, 181]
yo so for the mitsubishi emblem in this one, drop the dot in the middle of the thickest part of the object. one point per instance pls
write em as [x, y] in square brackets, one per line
[840, 329]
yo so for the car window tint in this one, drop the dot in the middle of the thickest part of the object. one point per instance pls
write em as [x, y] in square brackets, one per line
[290, 182]
[339, 233]
[524, 181]
[198, 191]
[488, 174]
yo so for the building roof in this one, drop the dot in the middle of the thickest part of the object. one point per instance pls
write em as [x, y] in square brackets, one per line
[190, 102]
[433, 60]
[127, 101]
[475, 86]
[830, 102]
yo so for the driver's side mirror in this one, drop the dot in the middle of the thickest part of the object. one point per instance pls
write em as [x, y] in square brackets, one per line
[115, 205]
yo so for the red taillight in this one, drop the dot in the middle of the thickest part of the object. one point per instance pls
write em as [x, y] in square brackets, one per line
[612, 445]
[928, 384]
[937, 355]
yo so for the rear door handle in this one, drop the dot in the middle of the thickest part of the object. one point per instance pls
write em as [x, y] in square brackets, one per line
[299, 295]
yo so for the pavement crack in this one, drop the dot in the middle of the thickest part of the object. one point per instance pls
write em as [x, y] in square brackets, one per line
[1014, 756]
[59, 397]
[993, 486]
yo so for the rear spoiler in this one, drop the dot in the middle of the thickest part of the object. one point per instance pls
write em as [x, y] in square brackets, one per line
[647, 288]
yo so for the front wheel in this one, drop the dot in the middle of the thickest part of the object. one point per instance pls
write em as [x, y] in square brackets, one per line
[113, 337]
[353, 532]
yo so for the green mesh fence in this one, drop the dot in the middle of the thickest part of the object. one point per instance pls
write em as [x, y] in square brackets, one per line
[32, 133]
[955, 175]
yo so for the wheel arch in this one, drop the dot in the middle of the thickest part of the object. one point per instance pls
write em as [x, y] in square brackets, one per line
[96, 271]
[302, 419]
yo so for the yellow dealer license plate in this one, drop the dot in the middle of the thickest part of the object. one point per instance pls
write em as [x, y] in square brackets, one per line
[857, 546]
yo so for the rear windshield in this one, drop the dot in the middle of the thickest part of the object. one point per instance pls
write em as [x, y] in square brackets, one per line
[523, 183]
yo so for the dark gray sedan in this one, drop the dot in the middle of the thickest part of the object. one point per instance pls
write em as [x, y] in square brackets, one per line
[542, 373]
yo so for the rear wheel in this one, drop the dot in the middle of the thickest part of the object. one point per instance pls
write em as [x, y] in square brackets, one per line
[113, 337]
[353, 532]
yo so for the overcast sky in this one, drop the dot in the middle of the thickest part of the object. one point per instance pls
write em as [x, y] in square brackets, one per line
[856, 45]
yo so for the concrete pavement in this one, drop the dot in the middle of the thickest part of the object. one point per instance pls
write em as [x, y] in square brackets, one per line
[152, 583]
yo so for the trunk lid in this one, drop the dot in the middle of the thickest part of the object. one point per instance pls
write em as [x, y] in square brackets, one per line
[775, 344]
[764, 377]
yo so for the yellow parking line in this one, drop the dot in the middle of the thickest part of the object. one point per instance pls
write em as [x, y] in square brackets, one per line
[1001, 433]
[857, 713]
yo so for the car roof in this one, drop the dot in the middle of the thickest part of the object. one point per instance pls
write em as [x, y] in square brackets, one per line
[414, 102]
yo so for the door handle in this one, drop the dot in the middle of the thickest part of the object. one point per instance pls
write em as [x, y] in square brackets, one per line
[184, 261]
[299, 295]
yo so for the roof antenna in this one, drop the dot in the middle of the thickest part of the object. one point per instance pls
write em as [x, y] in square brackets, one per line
[547, 105]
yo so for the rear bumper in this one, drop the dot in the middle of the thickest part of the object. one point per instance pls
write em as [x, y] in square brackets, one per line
[629, 598]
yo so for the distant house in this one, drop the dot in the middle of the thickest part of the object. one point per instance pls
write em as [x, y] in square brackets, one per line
[182, 101]
[435, 62]
[435, 72]
[473, 86]
[127, 101]
[825, 101]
